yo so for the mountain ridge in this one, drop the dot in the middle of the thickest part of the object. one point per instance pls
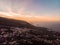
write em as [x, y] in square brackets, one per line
[15, 23]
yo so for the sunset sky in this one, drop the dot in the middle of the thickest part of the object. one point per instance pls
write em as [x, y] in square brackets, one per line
[31, 10]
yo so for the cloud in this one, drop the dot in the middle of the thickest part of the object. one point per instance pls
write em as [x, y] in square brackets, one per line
[20, 11]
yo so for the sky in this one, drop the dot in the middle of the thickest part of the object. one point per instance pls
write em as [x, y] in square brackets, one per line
[31, 10]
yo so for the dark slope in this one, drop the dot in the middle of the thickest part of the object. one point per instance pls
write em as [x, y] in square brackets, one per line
[14, 23]
[20, 24]
[32, 36]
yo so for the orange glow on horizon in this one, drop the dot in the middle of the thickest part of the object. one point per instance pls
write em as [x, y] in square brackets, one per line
[32, 19]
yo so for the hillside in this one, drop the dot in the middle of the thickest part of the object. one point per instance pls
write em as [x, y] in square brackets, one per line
[15, 23]
[19, 23]
[17, 32]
